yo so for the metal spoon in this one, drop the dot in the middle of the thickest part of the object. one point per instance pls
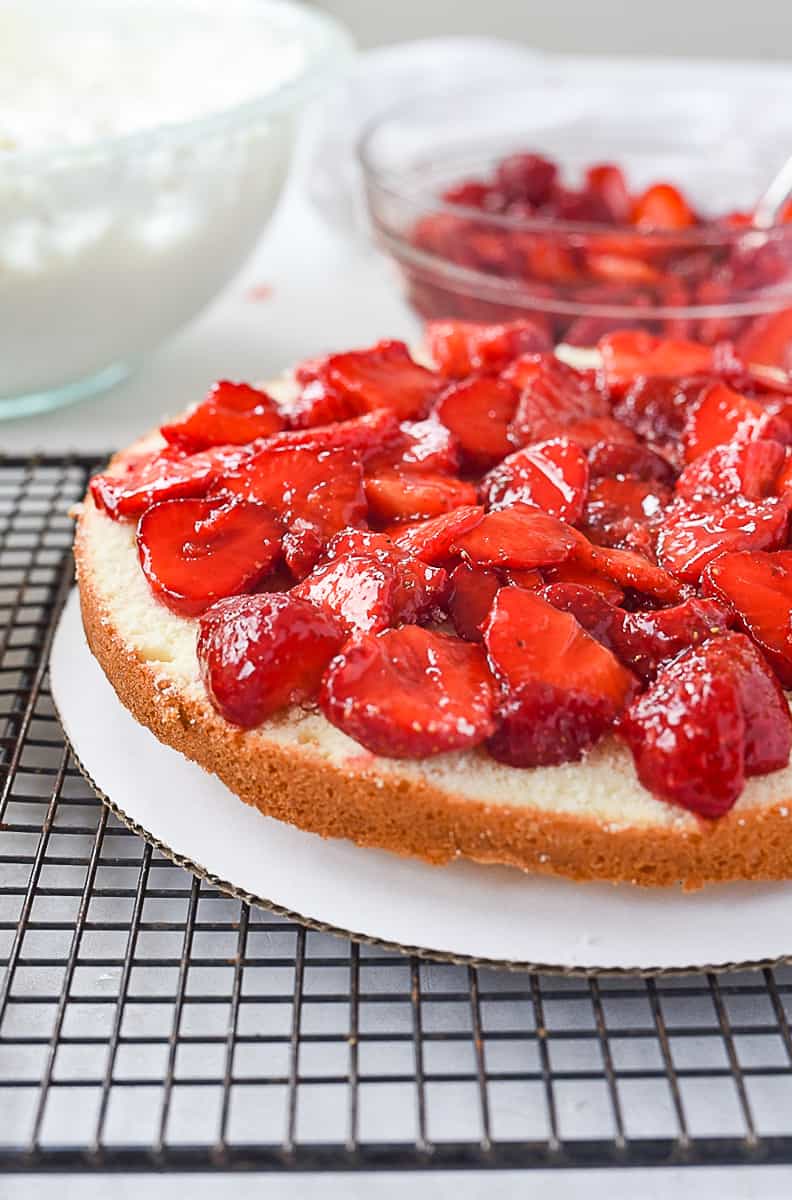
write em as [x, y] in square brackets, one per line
[774, 199]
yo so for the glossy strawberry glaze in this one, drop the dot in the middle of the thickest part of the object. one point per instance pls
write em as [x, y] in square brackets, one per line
[593, 553]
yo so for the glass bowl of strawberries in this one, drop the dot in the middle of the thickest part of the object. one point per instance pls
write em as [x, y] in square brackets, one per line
[586, 210]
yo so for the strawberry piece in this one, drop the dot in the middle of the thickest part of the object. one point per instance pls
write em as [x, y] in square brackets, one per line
[692, 535]
[431, 540]
[552, 395]
[472, 590]
[313, 492]
[550, 475]
[384, 376]
[517, 537]
[530, 178]
[656, 409]
[232, 414]
[628, 354]
[461, 348]
[319, 404]
[743, 468]
[768, 341]
[620, 268]
[713, 716]
[409, 693]
[607, 183]
[662, 207]
[478, 413]
[395, 496]
[527, 577]
[613, 459]
[594, 431]
[646, 640]
[165, 475]
[757, 587]
[597, 615]
[615, 506]
[561, 689]
[259, 654]
[575, 575]
[194, 552]
[418, 447]
[629, 570]
[722, 415]
[358, 590]
[367, 436]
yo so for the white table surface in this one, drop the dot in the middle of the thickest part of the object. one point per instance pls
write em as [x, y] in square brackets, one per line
[325, 294]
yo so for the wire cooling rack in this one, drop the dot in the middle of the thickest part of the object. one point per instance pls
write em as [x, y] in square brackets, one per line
[148, 1021]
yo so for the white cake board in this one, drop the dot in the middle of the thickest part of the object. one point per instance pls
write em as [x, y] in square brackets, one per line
[460, 912]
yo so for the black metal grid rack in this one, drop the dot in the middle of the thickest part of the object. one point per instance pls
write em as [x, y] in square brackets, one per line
[147, 1021]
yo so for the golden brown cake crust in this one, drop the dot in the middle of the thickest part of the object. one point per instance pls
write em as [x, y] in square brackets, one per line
[415, 818]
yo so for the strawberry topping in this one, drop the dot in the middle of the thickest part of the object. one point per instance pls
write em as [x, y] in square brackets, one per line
[194, 552]
[551, 475]
[738, 468]
[169, 474]
[757, 587]
[462, 348]
[553, 396]
[517, 537]
[630, 354]
[472, 590]
[692, 535]
[396, 496]
[431, 540]
[722, 414]
[409, 693]
[383, 377]
[478, 412]
[232, 414]
[259, 654]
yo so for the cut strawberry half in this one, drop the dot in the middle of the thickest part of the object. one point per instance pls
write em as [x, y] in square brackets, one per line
[194, 552]
[419, 447]
[713, 716]
[553, 395]
[575, 574]
[478, 413]
[232, 414]
[358, 590]
[313, 492]
[461, 348]
[431, 540]
[395, 496]
[164, 475]
[606, 182]
[550, 475]
[767, 341]
[647, 640]
[409, 693]
[385, 376]
[662, 207]
[692, 535]
[616, 506]
[744, 468]
[723, 415]
[472, 590]
[517, 537]
[656, 409]
[757, 587]
[372, 434]
[609, 460]
[561, 689]
[629, 569]
[259, 654]
[629, 354]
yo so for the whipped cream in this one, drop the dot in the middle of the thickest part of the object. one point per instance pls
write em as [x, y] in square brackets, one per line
[79, 72]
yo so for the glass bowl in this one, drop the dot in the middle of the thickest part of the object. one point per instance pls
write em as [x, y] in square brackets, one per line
[580, 278]
[106, 248]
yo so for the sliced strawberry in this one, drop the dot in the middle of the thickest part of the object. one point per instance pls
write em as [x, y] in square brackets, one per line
[741, 468]
[721, 415]
[629, 354]
[530, 178]
[579, 576]
[409, 693]
[232, 414]
[646, 640]
[561, 689]
[615, 506]
[419, 447]
[461, 348]
[478, 413]
[420, 591]
[431, 540]
[552, 395]
[550, 475]
[472, 590]
[384, 376]
[768, 341]
[714, 715]
[606, 181]
[313, 492]
[656, 409]
[597, 615]
[358, 590]
[526, 577]
[629, 570]
[194, 552]
[611, 459]
[517, 537]
[691, 535]
[319, 403]
[662, 207]
[259, 654]
[164, 475]
[371, 435]
[395, 496]
[757, 587]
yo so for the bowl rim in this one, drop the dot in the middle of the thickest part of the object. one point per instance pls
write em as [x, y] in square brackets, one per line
[328, 46]
[392, 182]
